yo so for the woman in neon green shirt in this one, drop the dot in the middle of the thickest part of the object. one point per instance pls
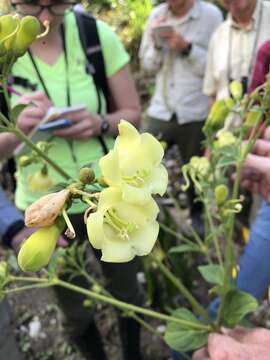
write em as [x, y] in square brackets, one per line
[55, 67]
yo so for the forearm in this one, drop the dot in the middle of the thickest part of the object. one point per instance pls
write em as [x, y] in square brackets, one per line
[8, 143]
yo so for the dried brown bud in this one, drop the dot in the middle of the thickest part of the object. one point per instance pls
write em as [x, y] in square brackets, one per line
[44, 211]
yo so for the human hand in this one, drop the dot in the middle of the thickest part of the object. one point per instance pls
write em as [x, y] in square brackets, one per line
[255, 175]
[174, 41]
[32, 114]
[85, 125]
[239, 343]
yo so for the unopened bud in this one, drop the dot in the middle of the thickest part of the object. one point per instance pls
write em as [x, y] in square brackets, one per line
[221, 194]
[44, 211]
[25, 160]
[236, 90]
[39, 182]
[87, 175]
[37, 250]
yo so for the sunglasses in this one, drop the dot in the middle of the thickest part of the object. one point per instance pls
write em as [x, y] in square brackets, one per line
[35, 9]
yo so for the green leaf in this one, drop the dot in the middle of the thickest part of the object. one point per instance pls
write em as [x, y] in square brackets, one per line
[185, 248]
[237, 305]
[214, 274]
[16, 110]
[229, 155]
[184, 338]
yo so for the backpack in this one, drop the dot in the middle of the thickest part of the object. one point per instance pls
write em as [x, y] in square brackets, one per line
[95, 66]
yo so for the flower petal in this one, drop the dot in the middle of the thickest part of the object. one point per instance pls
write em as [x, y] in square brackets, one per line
[110, 169]
[108, 198]
[152, 148]
[128, 135]
[159, 180]
[144, 240]
[117, 251]
[140, 215]
[95, 229]
[135, 195]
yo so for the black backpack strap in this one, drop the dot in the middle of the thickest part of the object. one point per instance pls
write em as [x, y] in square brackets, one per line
[90, 41]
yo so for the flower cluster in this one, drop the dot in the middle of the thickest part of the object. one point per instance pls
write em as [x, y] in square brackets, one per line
[122, 221]
[124, 224]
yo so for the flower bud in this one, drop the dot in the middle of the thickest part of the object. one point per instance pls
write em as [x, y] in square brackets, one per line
[236, 90]
[27, 33]
[87, 303]
[217, 116]
[252, 118]
[225, 138]
[8, 25]
[39, 182]
[221, 194]
[25, 160]
[87, 175]
[36, 251]
[44, 211]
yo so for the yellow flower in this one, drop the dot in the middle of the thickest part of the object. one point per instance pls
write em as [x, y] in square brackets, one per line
[36, 251]
[135, 166]
[122, 230]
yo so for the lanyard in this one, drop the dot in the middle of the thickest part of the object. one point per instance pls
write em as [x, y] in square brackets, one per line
[254, 47]
[41, 79]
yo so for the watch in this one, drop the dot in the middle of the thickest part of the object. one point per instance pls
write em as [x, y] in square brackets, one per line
[105, 125]
[187, 50]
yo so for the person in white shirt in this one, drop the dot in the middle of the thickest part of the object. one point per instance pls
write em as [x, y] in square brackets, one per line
[233, 46]
[174, 48]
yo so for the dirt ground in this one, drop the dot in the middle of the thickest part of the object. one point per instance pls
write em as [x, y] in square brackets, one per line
[37, 324]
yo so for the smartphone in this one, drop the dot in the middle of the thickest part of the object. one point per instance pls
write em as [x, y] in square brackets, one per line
[55, 124]
[158, 31]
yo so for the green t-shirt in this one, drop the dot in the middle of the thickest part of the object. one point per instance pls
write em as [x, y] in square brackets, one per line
[70, 154]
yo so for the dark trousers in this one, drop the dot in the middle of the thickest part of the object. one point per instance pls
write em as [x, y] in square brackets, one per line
[121, 280]
[187, 137]
[8, 346]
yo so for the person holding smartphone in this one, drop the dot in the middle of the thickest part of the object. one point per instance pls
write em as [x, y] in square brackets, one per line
[54, 73]
[174, 48]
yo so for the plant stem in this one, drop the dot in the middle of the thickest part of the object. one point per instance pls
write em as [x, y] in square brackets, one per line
[27, 287]
[130, 307]
[181, 237]
[200, 310]
[214, 237]
[21, 136]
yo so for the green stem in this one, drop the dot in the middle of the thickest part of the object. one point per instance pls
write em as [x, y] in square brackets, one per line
[197, 307]
[130, 307]
[70, 229]
[214, 236]
[181, 237]
[27, 287]
[21, 136]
